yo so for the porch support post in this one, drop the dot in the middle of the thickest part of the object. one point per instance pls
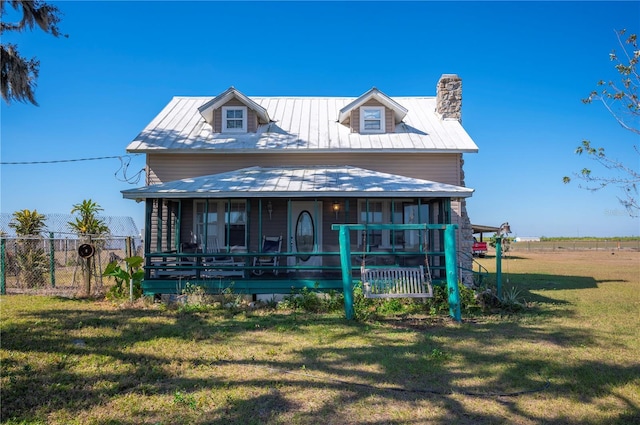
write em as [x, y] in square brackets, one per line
[345, 261]
[452, 271]
[259, 224]
[159, 225]
[147, 236]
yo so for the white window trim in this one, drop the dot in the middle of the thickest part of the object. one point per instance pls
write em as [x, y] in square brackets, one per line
[244, 119]
[382, 119]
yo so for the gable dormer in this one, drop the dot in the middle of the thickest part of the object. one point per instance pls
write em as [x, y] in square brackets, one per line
[373, 112]
[233, 112]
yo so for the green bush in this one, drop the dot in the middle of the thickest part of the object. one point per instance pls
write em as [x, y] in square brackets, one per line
[313, 301]
[122, 277]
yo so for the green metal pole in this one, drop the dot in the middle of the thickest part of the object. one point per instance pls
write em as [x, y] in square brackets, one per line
[499, 267]
[3, 283]
[451, 262]
[52, 260]
[345, 261]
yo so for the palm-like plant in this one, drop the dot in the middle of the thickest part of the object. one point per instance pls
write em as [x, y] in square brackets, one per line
[31, 258]
[88, 223]
[18, 75]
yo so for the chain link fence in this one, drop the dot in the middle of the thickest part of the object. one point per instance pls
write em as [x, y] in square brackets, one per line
[53, 266]
[50, 263]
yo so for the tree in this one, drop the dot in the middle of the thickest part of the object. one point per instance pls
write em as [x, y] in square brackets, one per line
[87, 224]
[18, 75]
[620, 98]
[30, 255]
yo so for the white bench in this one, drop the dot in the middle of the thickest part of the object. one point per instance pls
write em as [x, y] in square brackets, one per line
[395, 282]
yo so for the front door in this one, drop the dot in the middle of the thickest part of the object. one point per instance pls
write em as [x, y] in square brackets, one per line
[305, 233]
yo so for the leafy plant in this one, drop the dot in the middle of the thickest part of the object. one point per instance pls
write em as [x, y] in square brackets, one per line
[31, 259]
[88, 223]
[124, 276]
[196, 294]
[510, 300]
[313, 301]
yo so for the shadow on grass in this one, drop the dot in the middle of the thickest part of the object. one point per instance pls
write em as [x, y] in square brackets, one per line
[413, 369]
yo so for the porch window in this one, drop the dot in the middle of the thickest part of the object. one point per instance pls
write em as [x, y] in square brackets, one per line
[372, 119]
[218, 221]
[414, 214]
[235, 217]
[388, 212]
[372, 214]
[234, 119]
[206, 225]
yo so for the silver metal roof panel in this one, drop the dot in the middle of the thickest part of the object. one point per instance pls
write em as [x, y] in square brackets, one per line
[254, 182]
[298, 124]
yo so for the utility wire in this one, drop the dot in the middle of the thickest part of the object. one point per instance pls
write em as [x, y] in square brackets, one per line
[125, 161]
[57, 161]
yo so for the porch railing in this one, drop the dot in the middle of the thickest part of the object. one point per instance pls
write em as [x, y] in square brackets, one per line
[173, 265]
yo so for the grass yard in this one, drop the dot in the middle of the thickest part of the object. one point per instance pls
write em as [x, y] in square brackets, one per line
[571, 357]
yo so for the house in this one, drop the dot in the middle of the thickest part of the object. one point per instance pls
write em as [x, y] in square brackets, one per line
[222, 172]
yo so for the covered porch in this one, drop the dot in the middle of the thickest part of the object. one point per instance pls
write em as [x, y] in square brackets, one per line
[211, 230]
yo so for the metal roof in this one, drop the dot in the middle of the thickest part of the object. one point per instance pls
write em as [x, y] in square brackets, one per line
[256, 182]
[301, 124]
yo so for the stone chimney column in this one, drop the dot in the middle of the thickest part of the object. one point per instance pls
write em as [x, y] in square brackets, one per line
[449, 97]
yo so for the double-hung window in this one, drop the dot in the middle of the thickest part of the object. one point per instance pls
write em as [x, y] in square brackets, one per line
[372, 119]
[234, 119]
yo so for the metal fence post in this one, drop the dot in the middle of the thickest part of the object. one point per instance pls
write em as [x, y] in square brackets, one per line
[52, 260]
[3, 283]
[450, 258]
[499, 267]
[345, 261]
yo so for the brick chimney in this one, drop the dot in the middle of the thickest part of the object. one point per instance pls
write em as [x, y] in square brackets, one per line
[449, 97]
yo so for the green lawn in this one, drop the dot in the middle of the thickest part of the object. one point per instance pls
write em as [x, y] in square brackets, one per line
[571, 357]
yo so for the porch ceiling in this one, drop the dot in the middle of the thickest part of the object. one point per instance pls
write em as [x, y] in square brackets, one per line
[259, 182]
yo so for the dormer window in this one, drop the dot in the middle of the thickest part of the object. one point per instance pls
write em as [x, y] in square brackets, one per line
[234, 119]
[372, 119]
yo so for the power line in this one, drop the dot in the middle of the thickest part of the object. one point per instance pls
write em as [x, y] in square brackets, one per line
[125, 160]
[57, 161]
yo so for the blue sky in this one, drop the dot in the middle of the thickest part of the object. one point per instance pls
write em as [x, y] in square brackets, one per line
[525, 67]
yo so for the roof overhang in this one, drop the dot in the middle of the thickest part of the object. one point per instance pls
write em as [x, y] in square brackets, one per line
[479, 228]
[217, 102]
[299, 182]
[399, 111]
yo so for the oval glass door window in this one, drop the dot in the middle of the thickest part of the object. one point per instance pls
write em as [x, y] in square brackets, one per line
[304, 234]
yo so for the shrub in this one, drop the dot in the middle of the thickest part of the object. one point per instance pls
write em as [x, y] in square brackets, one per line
[123, 277]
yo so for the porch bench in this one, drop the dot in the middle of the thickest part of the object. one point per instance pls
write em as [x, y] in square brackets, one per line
[213, 270]
[173, 268]
[395, 282]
